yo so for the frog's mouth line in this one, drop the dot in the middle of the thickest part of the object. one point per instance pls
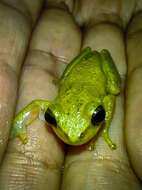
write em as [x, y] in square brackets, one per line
[88, 135]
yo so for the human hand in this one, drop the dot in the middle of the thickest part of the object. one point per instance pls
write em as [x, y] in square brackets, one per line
[55, 41]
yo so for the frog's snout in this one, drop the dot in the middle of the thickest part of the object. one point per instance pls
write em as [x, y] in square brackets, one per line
[75, 139]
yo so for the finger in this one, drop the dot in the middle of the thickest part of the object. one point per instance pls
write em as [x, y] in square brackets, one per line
[105, 11]
[26, 8]
[38, 164]
[14, 36]
[133, 94]
[103, 168]
[67, 5]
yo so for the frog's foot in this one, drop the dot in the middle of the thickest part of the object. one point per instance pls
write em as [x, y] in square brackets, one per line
[25, 117]
[21, 122]
[91, 145]
[19, 132]
[108, 140]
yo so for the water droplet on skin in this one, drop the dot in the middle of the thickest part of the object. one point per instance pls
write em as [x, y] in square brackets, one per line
[100, 157]
[95, 154]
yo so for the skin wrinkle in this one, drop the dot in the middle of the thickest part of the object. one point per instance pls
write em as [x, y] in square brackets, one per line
[6, 54]
[135, 69]
[132, 34]
[103, 159]
[53, 73]
[33, 66]
[29, 160]
[117, 168]
[27, 17]
[50, 53]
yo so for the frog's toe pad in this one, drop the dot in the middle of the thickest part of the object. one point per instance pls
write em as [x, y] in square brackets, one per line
[20, 133]
[113, 146]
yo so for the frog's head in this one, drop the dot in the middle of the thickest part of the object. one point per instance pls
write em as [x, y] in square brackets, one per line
[75, 123]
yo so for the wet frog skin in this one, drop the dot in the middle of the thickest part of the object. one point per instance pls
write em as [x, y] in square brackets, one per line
[85, 102]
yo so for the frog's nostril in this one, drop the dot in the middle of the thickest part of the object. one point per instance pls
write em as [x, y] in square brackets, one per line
[74, 138]
[81, 135]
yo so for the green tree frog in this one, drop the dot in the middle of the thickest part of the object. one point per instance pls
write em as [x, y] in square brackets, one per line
[84, 104]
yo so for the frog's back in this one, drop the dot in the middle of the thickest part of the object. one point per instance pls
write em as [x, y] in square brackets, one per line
[87, 72]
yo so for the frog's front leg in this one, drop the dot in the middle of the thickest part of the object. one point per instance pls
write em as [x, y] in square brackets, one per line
[26, 116]
[108, 102]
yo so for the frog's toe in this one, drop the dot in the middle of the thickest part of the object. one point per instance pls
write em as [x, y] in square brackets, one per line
[19, 132]
[113, 146]
[110, 143]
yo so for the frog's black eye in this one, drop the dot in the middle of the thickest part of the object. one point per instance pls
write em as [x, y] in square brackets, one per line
[49, 117]
[98, 116]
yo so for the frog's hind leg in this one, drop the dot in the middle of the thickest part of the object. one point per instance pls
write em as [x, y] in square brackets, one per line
[112, 75]
[109, 102]
[25, 117]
